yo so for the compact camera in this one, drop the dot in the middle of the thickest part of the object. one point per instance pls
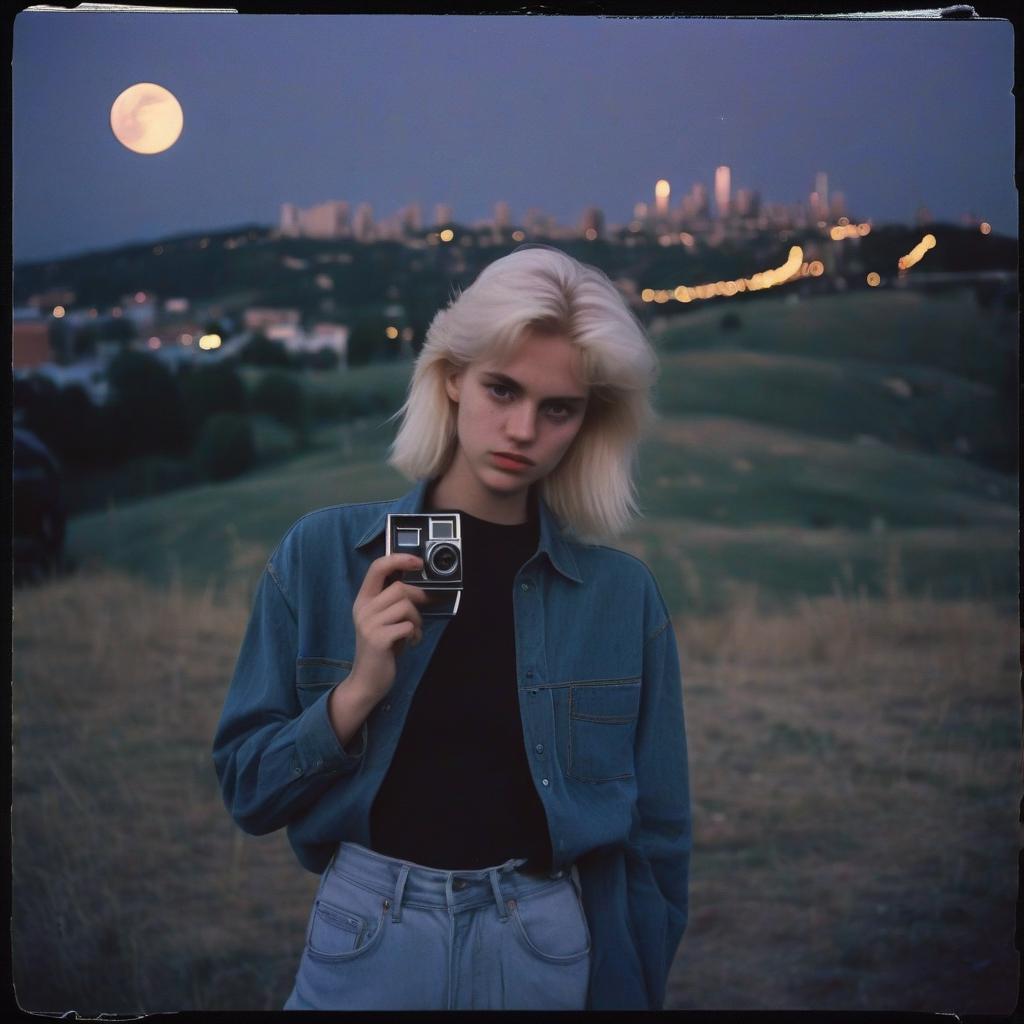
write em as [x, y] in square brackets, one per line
[436, 537]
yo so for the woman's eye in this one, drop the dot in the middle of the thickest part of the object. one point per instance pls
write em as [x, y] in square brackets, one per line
[498, 387]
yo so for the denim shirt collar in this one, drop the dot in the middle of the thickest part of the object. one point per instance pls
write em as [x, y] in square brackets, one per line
[551, 542]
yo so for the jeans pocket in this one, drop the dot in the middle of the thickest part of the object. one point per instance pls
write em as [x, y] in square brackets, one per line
[345, 929]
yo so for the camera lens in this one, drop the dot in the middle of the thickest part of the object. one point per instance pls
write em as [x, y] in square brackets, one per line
[443, 559]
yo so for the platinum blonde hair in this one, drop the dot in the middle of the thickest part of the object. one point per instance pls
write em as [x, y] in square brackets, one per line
[544, 291]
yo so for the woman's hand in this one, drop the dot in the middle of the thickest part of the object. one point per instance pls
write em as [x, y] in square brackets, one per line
[385, 618]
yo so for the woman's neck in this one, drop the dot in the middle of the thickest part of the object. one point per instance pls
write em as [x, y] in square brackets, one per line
[503, 510]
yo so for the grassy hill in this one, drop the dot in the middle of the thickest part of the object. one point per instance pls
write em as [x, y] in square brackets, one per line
[797, 470]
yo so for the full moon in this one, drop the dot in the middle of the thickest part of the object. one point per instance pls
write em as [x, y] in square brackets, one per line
[146, 118]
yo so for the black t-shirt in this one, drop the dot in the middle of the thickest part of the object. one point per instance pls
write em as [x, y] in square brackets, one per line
[458, 793]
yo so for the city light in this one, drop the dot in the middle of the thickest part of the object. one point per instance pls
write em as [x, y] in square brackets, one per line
[915, 254]
[848, 230]
[590, 234]
[985, 228]
[58, 311]
[153, 343]
[662, 189]
[687, 239]
[816, 268]
[873, 280]
[140, 296]
[517, 236]
[186, 339]
[447, 235]
[209, 341]
[792, 268]
[391, 332]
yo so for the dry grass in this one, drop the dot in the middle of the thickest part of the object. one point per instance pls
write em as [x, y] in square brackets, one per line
[855, 769]
[854, 765]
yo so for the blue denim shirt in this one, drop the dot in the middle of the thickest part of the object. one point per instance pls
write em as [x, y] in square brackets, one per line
[600, 700]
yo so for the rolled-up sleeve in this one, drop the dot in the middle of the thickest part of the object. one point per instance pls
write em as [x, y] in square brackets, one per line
[272, 757]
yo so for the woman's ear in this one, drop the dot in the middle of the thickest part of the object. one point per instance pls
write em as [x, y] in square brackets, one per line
[453, 381]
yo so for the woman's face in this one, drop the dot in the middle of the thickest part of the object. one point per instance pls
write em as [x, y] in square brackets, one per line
[531, 405]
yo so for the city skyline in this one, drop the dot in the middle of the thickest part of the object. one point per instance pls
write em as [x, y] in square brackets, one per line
[340, 218]
[388, 111]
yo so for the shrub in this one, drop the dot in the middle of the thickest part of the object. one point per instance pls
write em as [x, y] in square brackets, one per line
[146, 409]
[212, 389]
[280, 395]
[226, 446]
[261, 351]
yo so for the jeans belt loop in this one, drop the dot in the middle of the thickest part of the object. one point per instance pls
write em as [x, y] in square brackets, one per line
[498, 898]
[396, 903]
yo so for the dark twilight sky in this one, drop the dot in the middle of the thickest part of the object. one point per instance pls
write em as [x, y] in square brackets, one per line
[557, 113]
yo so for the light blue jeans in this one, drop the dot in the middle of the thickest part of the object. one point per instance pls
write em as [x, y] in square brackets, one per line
[385, 934]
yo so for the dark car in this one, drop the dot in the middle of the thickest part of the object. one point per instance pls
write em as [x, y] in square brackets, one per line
[39, 514]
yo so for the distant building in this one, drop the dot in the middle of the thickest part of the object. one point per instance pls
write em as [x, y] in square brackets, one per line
[326, 220]
[662, 191]
[442, 214]
[332, 336]
[30, 339]
[47, 300]
[412, 219]
[362, 225]
[748, 203]
[502, 217]
[592, 223]
[259, 318]
[722, 193]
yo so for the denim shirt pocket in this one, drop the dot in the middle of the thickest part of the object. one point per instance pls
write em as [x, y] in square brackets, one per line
[602, 729]
[314, 676]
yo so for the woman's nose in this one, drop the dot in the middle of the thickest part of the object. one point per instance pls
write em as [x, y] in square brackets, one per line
[520, 426]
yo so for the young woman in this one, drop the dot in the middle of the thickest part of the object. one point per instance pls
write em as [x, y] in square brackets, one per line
[497, 802]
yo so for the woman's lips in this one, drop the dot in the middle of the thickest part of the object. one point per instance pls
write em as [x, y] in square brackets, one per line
[507, 462]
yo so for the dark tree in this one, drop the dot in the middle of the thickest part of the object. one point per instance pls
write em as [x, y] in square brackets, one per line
[262, 351]
[226, 446]
[146, 409]
[212, 389]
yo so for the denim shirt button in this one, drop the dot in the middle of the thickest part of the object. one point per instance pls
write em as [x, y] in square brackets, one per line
[525, 586]
[539, 748]
[544, 782]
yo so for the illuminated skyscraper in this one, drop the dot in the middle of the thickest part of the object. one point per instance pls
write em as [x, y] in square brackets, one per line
[722, 186]
[502, 217]
[662, 191]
